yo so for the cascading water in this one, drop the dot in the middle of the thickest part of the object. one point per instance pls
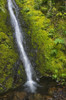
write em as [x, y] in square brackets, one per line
[19, 38]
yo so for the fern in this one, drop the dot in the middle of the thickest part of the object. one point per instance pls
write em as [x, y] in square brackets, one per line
[57, 41]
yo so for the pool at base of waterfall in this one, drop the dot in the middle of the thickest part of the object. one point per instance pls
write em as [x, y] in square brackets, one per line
[48, 90]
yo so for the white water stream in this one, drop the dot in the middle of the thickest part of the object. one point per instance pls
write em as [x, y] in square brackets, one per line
[19, 38]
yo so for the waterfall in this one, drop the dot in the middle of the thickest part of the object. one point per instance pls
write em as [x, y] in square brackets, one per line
[19, 39]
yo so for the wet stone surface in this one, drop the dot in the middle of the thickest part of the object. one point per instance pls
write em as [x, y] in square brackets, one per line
[53, 94]
[48, 90]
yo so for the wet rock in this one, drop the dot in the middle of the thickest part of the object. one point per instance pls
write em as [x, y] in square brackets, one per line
[51, 91]
[1, 85]
[54, 93]
[60, 94]
[19, 95]
[48, 98]
[35, 97]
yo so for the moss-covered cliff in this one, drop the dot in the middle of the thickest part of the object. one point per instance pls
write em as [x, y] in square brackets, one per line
[45, 20]
[8, 55]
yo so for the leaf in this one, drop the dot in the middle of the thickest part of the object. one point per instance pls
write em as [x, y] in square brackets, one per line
[59, 41]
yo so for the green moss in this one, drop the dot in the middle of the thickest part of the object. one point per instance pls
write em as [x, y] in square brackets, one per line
[47, 37]
[9, 83]
[44, 9]
[59, 14]
[8, 54]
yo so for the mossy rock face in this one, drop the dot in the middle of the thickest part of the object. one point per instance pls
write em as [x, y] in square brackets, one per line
[47, 38]
[9, 76]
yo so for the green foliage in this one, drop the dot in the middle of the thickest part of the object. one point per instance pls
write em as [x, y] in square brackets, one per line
[59, 14]
[47, 37]
[51, 32]
[54, 76]
[8, 54]
[26, 9]
[44, 9]
[9, 83]
[54, 52]
[57, 41]
[65, 14]
[44, 1]
[37, 4]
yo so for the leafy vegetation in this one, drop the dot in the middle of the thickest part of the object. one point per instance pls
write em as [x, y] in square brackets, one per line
[8, 54]
[45, 21]
[46, 27]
